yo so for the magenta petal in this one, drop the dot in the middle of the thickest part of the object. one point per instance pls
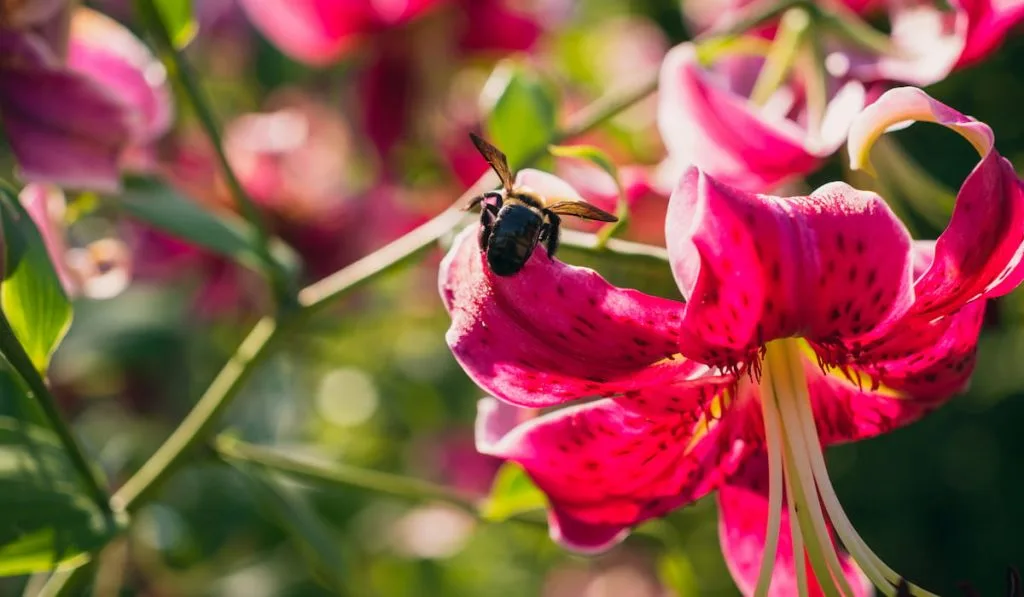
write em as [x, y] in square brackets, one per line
[63, 128]
[742, 525]
[989, 21]
[604, 467]
[582, 537]
[313, 31]
[927, 43]
[553, 332]
[110, 55]
[550, 186]
[45, 205]
[705, 122]
[493, 26]
[979, 253]
[754, 267]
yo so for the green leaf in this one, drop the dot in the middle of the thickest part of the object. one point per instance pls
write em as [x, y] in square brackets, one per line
[31, 295]
[289, 506]
[599, 158]
[512, 493]
[522, 120]
[164, 208]
[47, 517]
[178, 19]
[676, 572]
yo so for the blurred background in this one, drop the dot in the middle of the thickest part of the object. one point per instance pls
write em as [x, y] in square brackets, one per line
[347, 148]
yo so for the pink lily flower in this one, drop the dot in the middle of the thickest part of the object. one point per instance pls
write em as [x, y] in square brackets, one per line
[706, 120]
[930, 42]
[321, 31]
[808, 321]
[100, 269]
[73, 108]
[720, 14]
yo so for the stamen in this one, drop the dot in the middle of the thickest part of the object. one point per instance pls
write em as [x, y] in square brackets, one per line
[791, 391]
[799, 561]
[773, 441]
[877, 571]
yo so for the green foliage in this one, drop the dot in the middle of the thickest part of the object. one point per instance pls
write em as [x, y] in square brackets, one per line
[512, 493]
[522, 120]
[290, 508]
[47, 516]
[31, 296]
[164, 208]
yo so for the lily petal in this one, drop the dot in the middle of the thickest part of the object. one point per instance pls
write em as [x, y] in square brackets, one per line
[313, 31]
[979, 253]
[45, 204]
[742, 525]
[63, 128]
[604, 467]
[927, 42]
[550, 186]
[705, 120]
[898, 380]
[553, 332]
[106, 52]
[755, 267]
[989, 21]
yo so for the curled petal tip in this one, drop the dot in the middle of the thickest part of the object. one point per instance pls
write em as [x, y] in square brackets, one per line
[899, 107]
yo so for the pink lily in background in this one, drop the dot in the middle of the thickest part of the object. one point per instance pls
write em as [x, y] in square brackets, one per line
[707, 119]
[809, 321]
[100, 269]
[321, 32]
[929, 42]
[294, 160]
[77, 110]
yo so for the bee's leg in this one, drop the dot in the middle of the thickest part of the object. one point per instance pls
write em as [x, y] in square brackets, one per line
[550, 234]
[487, 217]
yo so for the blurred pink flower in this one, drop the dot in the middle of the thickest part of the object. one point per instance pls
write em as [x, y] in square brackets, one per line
[100, 269]
[395, 74]
[707, 120]
[712, 15]
[929, 42]
[295, 162]
[321, 31]
[74, 108]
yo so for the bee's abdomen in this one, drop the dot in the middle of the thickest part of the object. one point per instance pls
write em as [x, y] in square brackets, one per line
[513, 238]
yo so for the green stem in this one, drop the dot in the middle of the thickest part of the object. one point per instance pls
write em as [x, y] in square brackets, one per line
[15, 354]
[753, 15]
[339, 474]
[399, 486]
[793, 31]
[180, 68]
[256, 346]
[197, 424]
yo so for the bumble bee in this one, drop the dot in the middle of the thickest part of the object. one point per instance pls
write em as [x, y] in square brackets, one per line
[517, 219]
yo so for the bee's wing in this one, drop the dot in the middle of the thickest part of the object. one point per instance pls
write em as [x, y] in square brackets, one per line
[581, 209]
[496, 159]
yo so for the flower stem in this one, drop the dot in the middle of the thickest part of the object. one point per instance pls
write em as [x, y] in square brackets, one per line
[197, 424]
[258, 344]
[338, 474]
[793, 31]
[179, 67]
[15, 354]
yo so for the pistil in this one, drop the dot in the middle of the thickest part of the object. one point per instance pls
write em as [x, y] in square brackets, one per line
[796, 463]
